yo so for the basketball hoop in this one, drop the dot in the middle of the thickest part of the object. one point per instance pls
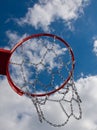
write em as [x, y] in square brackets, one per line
[41, 67]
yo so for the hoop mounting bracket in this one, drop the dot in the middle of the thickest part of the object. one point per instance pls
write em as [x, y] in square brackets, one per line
[4, 57]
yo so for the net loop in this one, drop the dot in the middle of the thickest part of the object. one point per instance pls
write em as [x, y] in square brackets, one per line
[70, 88]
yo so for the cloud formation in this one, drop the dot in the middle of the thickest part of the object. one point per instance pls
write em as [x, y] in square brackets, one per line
[95, 47]
[18, 112]
[14, 37]
[43, 13]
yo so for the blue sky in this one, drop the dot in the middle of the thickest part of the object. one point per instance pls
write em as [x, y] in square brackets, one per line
[76, 22]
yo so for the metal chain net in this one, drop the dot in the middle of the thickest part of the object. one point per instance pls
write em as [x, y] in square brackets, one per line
[69, 102]
[40, 66]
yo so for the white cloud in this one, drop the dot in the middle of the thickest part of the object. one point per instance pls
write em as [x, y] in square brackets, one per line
[11, 107]
[17, 112]
[14, 37]
[88, 89]
[95, 47]
[42, 14]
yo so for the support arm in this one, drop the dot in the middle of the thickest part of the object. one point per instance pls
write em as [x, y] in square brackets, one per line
[4, 57]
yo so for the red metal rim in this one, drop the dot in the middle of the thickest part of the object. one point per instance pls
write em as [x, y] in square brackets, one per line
[16, 88]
